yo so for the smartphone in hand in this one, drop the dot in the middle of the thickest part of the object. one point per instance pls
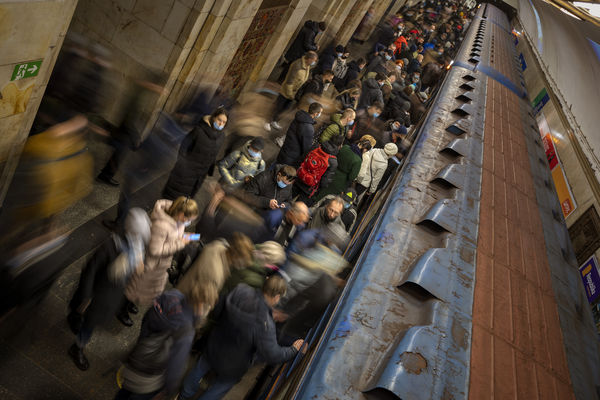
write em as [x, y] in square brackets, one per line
[194, 237]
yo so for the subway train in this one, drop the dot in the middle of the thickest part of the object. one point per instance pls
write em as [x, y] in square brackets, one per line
[402, 328]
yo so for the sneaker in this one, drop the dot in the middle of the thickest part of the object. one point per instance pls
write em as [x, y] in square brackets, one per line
[280, 140]
[268, 127]
[78, 357]
[276, 125]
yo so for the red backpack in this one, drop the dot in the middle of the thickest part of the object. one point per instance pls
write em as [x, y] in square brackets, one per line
[313, 167]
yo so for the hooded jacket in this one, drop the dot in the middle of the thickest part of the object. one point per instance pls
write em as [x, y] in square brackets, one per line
[165, 240]
[298, 140]
[197, 155]
[297, 75]
[348, 167]
[351, 74]
[374, 164]
[239, 164]
[371, 92]
[259, 191]
[244, 334]
[169, 319]
[305, 41]
[333, 129]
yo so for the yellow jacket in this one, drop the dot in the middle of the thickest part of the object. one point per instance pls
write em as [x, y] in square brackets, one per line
[296, 77]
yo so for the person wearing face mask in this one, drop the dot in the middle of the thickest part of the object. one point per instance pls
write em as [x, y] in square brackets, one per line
[303, 43]
[328, 58]
[242, 164]
[297, 76]
[169, 220]
[368, 123]
[415, 82]
[299, 136]
[415, 64]
[352, 72]
[378, 64]
[269, 190]
[313, 89]
[371, 91]
[197, 156]
[339, 126]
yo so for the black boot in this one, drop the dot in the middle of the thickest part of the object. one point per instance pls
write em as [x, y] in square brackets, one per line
[123, 316]
[78, 357]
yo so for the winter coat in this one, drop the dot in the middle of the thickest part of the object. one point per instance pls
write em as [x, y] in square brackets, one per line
[333, 150]
[333, 129]
[430, 56]
[413, 66]
[377, 64]
[397, 109]
[374, 164]
[326, 60]
[417, 109]
[261, 189]
[297, 75]
[351, 74]
[239, 164]
[211, 266]
[165, 240]
[319, 219]
[245, 332]
[314, 86]
[197, 155]
[298, 140]
[348, 167]
[253, 276]
[339, 69]
[94, 284]
[364, 124]
[305, 41]
[168, 326]
[371, 92]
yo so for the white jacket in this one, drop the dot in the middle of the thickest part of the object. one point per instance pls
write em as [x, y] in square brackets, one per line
[374, 164]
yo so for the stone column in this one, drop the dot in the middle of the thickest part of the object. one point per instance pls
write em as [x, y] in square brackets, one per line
[355, 14]
[29, 31]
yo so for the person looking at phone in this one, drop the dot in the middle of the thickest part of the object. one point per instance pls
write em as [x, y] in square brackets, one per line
[169, 220]
[269, 190]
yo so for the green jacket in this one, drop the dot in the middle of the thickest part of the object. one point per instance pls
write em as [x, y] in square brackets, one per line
[253, 276]
[348, 168]
[335, 128]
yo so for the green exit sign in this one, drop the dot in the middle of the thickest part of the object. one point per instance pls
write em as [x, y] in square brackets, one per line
[26, 70]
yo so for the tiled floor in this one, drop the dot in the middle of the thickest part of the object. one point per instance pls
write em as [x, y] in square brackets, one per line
[517, 347]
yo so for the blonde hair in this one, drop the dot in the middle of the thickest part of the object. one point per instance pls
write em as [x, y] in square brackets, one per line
[274, 285]
[240, 251]
[184, 205]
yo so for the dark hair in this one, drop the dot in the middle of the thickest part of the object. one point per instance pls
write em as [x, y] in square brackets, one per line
[314, 108]
[380, 77]
[327, 72]
[287, 172]
[322, 25]
[365, 144]
[311, 54]
[361, 61]
[377, 104]
[219, 111]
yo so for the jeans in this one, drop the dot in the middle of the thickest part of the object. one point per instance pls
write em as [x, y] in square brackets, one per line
[125, 394]
[192, 381]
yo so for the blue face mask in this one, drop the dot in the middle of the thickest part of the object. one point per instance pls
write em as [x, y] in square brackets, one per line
[281, 184]
[255, 154]
[217, 126]
[388, 57]
[346, 205]
[376, 114]
[339, 54]
[351, 123]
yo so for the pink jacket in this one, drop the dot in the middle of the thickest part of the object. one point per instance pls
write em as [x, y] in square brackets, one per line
[165, 240]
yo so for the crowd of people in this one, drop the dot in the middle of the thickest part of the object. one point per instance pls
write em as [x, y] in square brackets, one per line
[243, 280]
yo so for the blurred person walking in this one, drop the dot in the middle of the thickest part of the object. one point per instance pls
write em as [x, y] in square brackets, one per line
[244, 333]
[197, 156]
[169, 220]
[303, 43]
[157, 362]
[99, 294]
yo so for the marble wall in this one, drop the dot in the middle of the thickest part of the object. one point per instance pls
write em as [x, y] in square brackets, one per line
[29, 31]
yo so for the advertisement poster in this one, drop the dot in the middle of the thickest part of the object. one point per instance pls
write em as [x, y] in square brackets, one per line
[591, 278]
[565, 197]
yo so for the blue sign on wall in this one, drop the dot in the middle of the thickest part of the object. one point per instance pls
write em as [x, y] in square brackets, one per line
[591, 279]
[523, 64]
